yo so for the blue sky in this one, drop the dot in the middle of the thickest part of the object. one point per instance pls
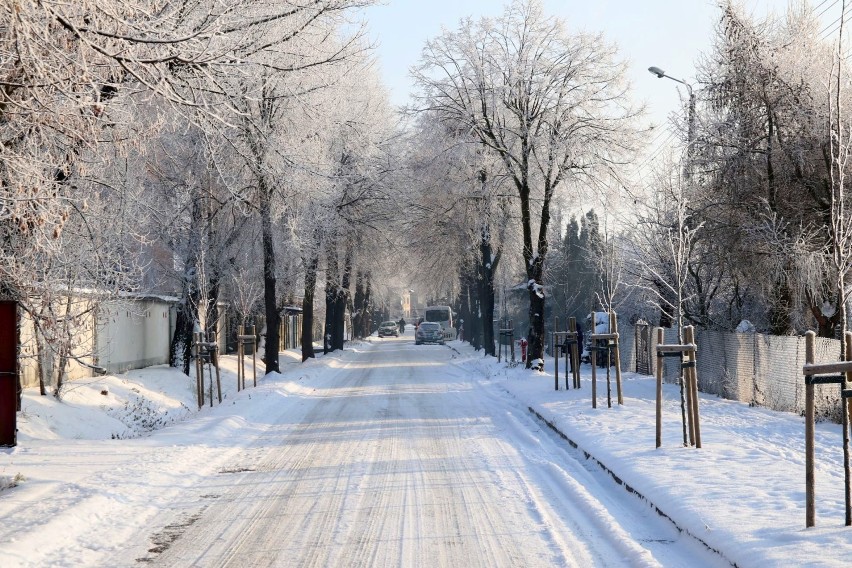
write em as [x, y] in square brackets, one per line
[666, 33]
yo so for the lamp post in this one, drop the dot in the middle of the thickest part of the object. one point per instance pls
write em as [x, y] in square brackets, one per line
[690, 113]
[679, 259]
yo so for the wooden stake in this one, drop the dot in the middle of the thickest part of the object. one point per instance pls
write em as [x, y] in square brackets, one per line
[511, 341]
[693, 371]
[689, 434]
[659, 389]
[555, 354]
[594, 360]
[240, 357]
[199, 369]
[210, 370]
[810, 508]
[691, 392]
[575, 354]
[253, 357]
[608, 382]
[844, 407]
[613, 328]
[218, 376]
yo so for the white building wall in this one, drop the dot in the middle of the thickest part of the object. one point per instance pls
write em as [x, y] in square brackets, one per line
[130, 334]
[133, 334]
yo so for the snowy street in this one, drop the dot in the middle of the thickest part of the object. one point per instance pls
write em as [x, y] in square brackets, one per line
[389, 455]
[260, 262]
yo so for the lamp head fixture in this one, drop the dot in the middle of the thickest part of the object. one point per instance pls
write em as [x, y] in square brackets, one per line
[657, 71]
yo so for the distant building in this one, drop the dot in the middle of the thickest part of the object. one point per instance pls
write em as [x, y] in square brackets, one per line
[406, 304]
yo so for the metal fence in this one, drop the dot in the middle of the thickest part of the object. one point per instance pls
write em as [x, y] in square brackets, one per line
[761, 370]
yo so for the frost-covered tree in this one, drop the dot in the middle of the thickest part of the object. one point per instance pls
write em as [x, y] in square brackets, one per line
[194, 223]
[766, 158]
[458, 192]
[359, 139]
[65, 67]
[550, 104]
[276, 126]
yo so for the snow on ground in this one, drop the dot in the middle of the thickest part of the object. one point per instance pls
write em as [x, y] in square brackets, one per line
[83, 466]
[742, 493]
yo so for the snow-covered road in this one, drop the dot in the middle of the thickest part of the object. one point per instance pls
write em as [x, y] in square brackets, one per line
[387, 454]
[393, 456]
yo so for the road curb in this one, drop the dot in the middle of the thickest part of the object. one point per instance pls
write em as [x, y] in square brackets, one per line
[630, 489]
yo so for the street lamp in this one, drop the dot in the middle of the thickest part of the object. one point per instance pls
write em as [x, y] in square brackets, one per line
[690, 116]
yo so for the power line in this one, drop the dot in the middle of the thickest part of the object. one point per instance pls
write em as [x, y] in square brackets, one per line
[656, 152]
[833, 4]
[835, 25]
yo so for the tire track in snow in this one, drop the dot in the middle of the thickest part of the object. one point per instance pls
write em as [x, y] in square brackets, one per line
[250, 518]
[643, 538]
[397, 459]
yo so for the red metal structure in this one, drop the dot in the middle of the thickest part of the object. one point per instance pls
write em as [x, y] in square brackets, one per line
[10, 392]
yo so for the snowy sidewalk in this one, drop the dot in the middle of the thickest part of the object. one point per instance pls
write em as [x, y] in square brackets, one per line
[742, 494]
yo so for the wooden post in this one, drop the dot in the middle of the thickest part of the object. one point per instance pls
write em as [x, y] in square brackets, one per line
[218, 376]
[694, 371]
[210, 369]
[810, 508]
[240, 356]
[199, 368]
[689, 430]
[555, 353]
[253, 357]
[659, 389]
[844, 406]
[613, 328]
[594, 360]
[692, 387]
[511, 340]
[575, 357]
[608, 385]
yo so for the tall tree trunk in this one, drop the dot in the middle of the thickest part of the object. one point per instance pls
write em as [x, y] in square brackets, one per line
[338, 328]
[534, 256]
[332, 275]
[311, 265]
[535, 334]
[486, 293]
[367, 315]
[180, 349]
[358, 306]
[473, 330]
[212, 323]
[65, 348]
[464, 308]
[273, 319]
[41, 366]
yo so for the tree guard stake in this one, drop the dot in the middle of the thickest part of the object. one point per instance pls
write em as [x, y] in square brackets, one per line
[826, 374]
[689, 378]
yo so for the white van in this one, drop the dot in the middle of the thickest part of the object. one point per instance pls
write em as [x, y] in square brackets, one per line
[444, 316]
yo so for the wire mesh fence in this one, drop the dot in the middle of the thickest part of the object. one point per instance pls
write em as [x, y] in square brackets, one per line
[761, 370]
